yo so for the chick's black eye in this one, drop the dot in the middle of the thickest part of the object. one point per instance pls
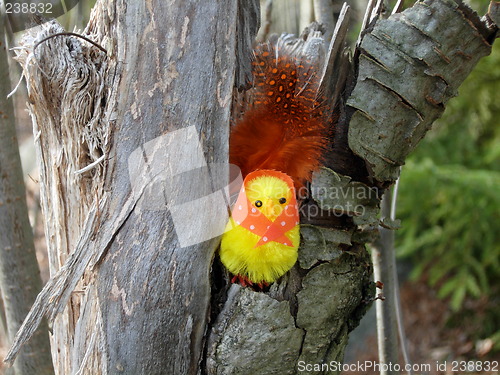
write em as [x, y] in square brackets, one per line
[258, 204]
[282, 200]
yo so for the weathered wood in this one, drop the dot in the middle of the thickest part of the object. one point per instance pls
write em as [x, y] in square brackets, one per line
[176, 71]
[20, 279]
[233, 337]
[335, 70]
[493, 17]
[323, 12]
[65, 96]
[287, 16]
[340, 194]
[246, 28]
[159, 294]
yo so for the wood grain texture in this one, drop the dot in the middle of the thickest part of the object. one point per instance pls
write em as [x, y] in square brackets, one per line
[246, 28]
[178, 72]
[65, 103]
[20, 279]
[168, 68]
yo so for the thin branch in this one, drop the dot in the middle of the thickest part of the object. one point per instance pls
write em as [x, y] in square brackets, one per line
[323, 12]
[268, 13]
[70, 34]
[384, 266]
[398, 7]
[397, 297]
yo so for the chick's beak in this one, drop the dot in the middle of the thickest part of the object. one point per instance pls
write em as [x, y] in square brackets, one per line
[271, 210]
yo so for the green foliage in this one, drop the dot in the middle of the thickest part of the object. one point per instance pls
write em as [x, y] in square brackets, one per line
[451, 223]
[449, 199]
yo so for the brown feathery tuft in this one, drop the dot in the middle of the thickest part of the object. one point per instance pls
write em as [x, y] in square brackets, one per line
[286, 125]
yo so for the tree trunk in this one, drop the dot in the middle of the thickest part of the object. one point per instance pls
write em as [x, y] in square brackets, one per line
[20, 280]
[159, 98]
[133, 149]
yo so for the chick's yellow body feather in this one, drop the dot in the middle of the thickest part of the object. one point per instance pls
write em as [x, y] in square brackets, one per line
[247, 252]
[264, 263]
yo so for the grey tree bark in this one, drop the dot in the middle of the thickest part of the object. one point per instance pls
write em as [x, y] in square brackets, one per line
[131, 136]
[20, 280]
[142, 303]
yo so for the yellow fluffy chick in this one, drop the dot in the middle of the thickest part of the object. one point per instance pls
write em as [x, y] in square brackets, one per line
[262, 237]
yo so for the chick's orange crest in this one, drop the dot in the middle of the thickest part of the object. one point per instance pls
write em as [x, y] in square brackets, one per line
[246, 214]
[285, 123]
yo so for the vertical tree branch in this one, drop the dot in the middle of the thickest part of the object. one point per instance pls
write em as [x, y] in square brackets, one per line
[384, 267]
[323, 13]
[20, 279]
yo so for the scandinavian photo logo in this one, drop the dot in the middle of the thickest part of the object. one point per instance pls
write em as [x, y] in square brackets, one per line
[162, 174]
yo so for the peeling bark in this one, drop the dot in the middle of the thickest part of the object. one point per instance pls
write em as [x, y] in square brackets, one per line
[412, 63]
[20, 279]
[91, 112]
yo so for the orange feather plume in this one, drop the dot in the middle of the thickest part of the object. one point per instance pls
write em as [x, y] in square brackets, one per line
[285, 125]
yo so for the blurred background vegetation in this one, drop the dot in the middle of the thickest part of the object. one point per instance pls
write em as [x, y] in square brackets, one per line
[449, 201]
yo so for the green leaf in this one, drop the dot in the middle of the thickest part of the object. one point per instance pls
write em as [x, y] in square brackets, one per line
[458, 297]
